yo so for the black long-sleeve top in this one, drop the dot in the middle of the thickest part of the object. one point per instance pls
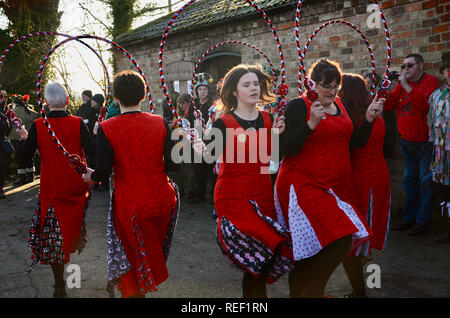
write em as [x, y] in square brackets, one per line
[204, 107]
[28, 147]
[105, 153]
[5, 127]
[89, 115]
[297, 130]
[256, 124]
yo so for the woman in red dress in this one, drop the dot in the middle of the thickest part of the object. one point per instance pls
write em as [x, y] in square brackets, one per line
[144, 204]
[58, 227]
[313, 188]
[371, 179]
[246, 231]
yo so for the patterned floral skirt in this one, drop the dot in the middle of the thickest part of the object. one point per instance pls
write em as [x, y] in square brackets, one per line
[317, 217]
[118, 262]
[250, 253]
[46, 242]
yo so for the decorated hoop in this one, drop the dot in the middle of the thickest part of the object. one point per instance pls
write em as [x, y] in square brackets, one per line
[386, 82]
[282, 87]
[75, 160]
[200, 60]
[15, 120]
[305, 49]
[384, 85]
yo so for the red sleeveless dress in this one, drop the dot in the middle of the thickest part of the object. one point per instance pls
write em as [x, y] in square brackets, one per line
[144, 204]
[372, 187]
[313, 188]
[246, 231]
[58, 226]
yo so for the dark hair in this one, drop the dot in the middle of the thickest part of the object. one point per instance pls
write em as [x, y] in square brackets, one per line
[230, 82]
[356, 95]
[368, 74]
[184, 98]
[445, 62]
[87, 93]
[326, 71]
[417, 57]
[99, 99]
[129, 88]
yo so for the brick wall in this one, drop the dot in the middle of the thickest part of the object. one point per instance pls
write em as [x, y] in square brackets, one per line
[416, 26]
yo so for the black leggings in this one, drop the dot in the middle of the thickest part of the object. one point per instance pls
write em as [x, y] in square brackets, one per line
[310, 276]
[353, 266]
[58, 274]
[204, 172]
[253, 287]
[4, 171]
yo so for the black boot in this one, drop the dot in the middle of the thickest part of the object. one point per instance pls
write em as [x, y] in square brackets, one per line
[30, 177]
[59, 291]
[60, 283]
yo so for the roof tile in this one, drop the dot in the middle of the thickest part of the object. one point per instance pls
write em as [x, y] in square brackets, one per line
[200, 14]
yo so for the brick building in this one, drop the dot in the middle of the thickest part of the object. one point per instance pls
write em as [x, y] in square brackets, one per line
[416, 26]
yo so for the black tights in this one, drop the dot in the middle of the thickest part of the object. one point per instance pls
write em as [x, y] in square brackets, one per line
[253, 287]
[354, 268]
[310, 276]
[4, 171]
[58, 274]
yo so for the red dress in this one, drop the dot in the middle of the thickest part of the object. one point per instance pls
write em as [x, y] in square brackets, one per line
[58, 226]
[372, 187]
[144, 205]
[313, 188]
[243, 199]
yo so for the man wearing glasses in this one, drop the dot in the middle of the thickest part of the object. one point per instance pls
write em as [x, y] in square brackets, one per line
[410, 98]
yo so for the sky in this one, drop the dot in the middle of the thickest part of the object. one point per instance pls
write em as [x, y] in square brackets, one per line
[82, 65]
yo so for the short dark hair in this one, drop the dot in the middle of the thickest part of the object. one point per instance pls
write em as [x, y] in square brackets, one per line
[445, 62]
[87, 93]
[326, 71]
[129, 88]
[417, 57]
[99, 99]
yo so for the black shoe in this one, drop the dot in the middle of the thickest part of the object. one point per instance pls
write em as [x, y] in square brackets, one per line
[59, 292]
[2, 195]
[29, 178]
[419, 229]
[403, 226]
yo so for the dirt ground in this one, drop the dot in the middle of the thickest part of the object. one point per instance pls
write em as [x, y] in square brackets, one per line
[409, 267]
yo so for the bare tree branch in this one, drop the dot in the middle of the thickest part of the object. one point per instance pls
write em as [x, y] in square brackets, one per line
[108, 28]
